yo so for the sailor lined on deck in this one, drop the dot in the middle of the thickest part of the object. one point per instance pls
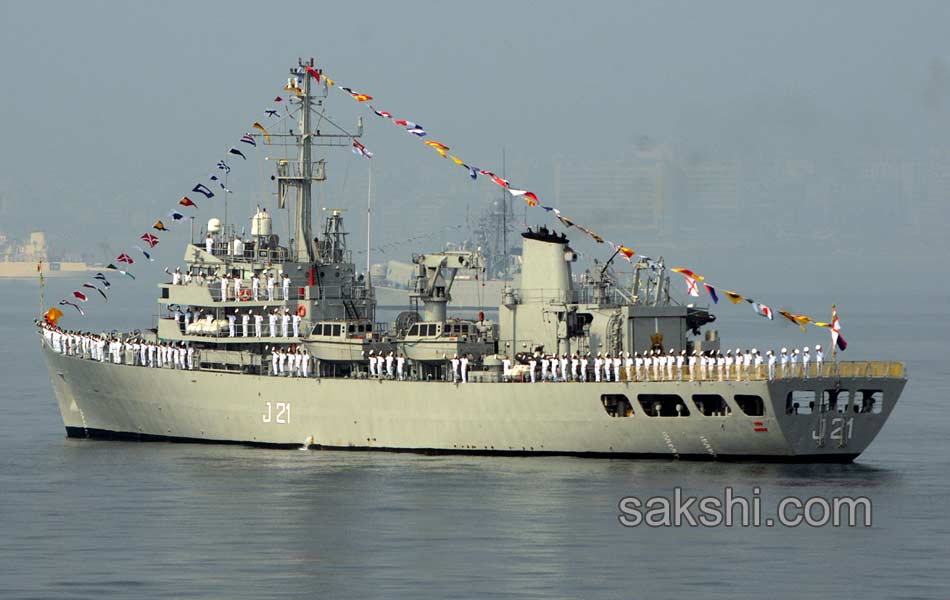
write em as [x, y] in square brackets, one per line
[285, 285]
[209, 243]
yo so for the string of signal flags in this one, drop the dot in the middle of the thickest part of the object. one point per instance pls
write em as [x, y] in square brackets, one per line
[214, 184]
[418, 132]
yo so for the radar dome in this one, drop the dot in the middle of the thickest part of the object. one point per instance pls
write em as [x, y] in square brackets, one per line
[214, 225]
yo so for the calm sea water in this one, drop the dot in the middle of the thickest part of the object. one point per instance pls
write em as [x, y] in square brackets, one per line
[89, 519]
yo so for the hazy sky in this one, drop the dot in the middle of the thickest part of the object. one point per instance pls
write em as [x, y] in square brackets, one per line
[111, 111]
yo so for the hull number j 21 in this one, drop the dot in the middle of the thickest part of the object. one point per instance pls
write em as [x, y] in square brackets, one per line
[276, 412]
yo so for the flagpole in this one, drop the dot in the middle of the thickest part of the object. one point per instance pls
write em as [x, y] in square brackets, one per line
[834, 345]
[369, 212]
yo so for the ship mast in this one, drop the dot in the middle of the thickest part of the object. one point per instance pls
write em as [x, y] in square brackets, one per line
[298, 176]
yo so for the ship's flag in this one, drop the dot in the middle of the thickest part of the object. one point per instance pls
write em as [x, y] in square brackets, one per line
[160, 226]
[278, 99]
[177, 216]
[796, 319]
[436, 144]
[80, 296]
[415, 129]
[102, 278]
[530, 197]
[313, 73]
[328, 80]
[214, 178]
[691, 288]
[401, 122]
[125, 258]
[147, 255]
[53, 315]
[356, 95]
[126, 273]
[472, 172]
[382, 113]
[247, 138]
[762, 310]
[224, 166]
[712, 293]
[500, 181]
[261, 128]
[733, 297]
[457, 160]
[73, 304]
[836, 338]
[688, 273]
[112, 267]
[486, 173]
[272, 113]
[236, 152]
[93, 287]
[627, 253]
[149, 239]
[204, 190]
[360, 150]
[593, 235]
[567, 222]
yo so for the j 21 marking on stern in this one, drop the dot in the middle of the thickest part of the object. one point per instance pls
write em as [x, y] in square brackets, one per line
[841, 430]
[277, 412]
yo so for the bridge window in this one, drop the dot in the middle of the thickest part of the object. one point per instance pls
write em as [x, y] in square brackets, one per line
[414, 330]
[711, 405]
[616, 405]
[663, 405]
[751, 405]
[336, 330]
[800, 402]
[869, 401]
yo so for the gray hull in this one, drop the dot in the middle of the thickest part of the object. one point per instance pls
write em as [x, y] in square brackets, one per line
[109, 400]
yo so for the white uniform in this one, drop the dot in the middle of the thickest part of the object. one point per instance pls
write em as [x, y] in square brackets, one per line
[575, 364]
[583, 368]
[286, 286]
[245, 319]
[598, 365]
[231, 319]
[771, 365]
[191, 358]
[258, 325]
[224, 289]
[389, 365]
[401, 367]
[272, 321]
[296, 320]
[617, 362]
[305, 364]
[255, 288]
[464, 366]
[209, 244]
[532, 364]
[237, 288]
[274, 358]
[455, 369]
[271, 282]
[819, 360]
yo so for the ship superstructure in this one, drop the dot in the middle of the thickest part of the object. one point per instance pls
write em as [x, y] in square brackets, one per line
[284, 349]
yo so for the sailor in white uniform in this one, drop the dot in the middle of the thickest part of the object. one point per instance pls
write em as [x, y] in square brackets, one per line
[771, 364]
[544, 368]
[693, 359]
[284, 324]
[271, 283]
[532, 365]
[237, 287]
[286, 286]
[584, 361]
[305, 363]
[401, 367]
[680, 359]
[389, 365]
[819, 359]
[272, 321]
[224, 287]
[455, 368]
[245, 321]
[281, 361]
[794, 362]
[553, 366]
[296, 322]
[231, 318]
[638, 365]
[255, 288]
[563, 365]
[784, 362]
[209, 244]
[464, 366]
[628, 366]
[806, 359]
[191, 357]
[617, 361]
[575, 364]
[598, 365]
[505, 368]
[372, 363]
[274, 359]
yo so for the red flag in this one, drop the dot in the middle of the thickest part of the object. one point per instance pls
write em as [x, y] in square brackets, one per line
[186, 201]
[149, 239]
[80, 296]
[314, 73]
[125, 258]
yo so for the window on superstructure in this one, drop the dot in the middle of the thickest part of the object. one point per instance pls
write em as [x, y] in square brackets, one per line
[835, 401]
[869, 401]
[800, 402]
[414, 330]
[711, 405]
[750, 404]
[616, 405]
[337, 329]
[663, 405]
